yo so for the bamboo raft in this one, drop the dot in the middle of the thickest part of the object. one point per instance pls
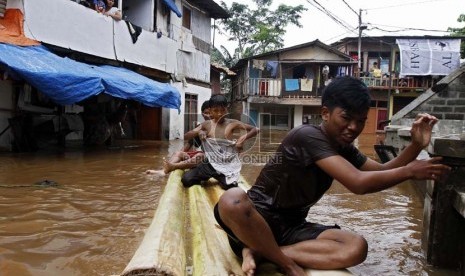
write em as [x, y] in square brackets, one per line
[183, 239]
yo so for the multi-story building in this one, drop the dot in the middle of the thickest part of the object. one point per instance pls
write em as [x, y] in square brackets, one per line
[409, 65]
[164, 44]
[282, 89]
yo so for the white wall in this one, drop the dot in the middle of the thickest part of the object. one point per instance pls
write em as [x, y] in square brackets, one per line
[140, 12]
[298, 113]
[201, 25]
[176, 124]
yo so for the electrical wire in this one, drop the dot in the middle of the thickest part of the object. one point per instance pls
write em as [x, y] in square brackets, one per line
[330, 15]
[350, 7]
[404, 29]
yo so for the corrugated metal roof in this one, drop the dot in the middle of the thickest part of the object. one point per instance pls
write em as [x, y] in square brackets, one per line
[223, 69]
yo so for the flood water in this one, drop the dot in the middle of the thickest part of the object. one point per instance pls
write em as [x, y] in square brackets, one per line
[90, 216]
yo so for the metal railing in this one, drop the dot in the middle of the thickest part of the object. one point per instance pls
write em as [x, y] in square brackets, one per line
[397, 83]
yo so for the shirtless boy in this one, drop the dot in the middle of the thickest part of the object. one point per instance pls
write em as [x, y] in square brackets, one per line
[218, 132]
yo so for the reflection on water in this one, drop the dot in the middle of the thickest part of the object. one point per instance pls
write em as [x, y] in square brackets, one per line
[92, 222]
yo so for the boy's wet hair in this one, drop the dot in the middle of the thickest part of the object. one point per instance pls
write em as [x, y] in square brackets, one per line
[348, 93]
[218, 101]
[205, 105]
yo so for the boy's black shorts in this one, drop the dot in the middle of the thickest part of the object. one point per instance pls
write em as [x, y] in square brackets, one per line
[284, 233]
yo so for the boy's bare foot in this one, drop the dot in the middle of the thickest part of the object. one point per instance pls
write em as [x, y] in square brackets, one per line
[167, 167]
[160, 172]
[248, 262]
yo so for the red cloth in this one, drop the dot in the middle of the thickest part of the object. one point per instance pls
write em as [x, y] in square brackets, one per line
[11, 29]
[194, 152]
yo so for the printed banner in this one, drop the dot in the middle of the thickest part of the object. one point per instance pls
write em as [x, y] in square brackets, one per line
[420, 57]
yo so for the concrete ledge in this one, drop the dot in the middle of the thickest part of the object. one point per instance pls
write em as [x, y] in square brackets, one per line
[450, 146]
[459, 201]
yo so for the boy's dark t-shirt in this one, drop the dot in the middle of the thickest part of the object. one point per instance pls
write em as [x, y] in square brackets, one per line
[291, 181]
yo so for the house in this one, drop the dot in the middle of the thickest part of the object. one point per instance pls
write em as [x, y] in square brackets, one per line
[164, 44]
[409, 66]
[282, 89]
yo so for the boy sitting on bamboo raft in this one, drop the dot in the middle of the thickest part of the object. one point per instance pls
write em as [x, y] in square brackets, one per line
[270, 220]
[221, 152]
[193, 152]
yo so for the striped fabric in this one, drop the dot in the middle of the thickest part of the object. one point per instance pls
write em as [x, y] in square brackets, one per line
[2, 7]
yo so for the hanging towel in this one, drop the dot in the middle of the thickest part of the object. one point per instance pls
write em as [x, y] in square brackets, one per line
[224, 157]
[259, 64]
[272, 67]
[306, 84]
[291, 84]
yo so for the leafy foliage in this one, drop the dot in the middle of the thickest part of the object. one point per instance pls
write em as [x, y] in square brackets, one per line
[259, 30]
[459, 32]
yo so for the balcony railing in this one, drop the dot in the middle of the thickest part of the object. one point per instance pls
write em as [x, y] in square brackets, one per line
[307, 88]
[398, 83]
[284, 88]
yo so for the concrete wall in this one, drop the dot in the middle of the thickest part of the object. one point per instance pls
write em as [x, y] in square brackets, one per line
[172, 121]
[443, 236]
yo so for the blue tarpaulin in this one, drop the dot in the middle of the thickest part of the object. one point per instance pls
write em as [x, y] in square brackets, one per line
[67, 81]
[173, 7]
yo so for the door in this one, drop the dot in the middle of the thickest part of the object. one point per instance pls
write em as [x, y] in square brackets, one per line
[370, 125]
[149, 127]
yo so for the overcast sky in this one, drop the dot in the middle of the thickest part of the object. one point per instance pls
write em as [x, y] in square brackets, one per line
[381, 18]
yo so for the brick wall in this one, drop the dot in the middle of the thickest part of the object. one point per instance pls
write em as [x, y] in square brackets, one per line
[447, 105]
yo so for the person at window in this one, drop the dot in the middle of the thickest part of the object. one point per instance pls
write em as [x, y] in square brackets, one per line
[375, 71]
[111, 11]
[99, 6]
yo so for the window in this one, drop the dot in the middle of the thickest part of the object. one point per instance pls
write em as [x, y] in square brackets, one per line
[190, 112]
[275, 118]
[186, 17]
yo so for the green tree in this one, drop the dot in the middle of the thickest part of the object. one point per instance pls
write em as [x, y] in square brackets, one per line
[459, 32]
[259, 30]
[222, 57]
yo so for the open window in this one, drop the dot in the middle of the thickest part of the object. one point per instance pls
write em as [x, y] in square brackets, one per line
[186, 17]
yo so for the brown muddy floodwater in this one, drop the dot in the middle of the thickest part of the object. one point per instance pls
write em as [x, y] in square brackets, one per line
[93, 220]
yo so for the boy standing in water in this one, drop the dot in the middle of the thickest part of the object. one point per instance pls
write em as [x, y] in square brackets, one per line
[222, 153]
[269, 221]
